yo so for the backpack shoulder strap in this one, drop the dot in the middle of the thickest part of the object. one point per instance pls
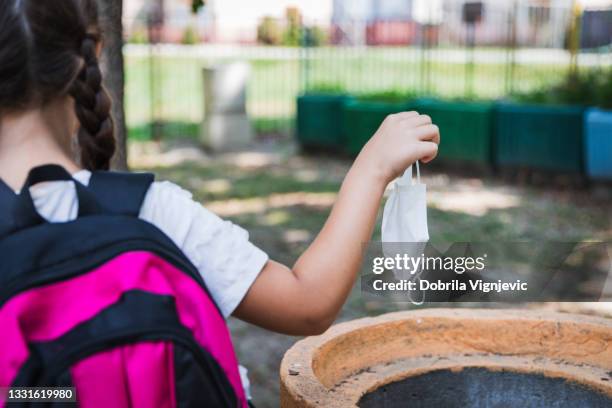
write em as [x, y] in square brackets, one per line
[120, 193]
[18, 211]
[8, 200]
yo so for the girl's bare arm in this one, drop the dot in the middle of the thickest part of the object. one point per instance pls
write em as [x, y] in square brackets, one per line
[306, 299]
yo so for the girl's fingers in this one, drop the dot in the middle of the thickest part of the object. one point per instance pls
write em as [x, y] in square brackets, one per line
[427, 151]
[428, 133]
[407, 114]
[402, 116]
[417, 120]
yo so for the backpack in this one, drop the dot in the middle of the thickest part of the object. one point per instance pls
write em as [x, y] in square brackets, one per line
[107, 303]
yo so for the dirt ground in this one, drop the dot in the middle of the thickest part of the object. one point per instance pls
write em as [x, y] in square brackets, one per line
[283, 198]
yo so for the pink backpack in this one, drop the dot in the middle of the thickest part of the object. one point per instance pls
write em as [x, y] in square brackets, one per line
[107, 304]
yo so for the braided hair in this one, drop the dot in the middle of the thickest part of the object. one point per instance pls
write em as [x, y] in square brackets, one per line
[93, 107]
[48, 50]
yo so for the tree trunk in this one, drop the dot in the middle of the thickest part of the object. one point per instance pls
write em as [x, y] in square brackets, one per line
[111, 12]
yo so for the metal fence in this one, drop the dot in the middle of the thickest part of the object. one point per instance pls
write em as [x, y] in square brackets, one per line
[164, 87]
[512, 49]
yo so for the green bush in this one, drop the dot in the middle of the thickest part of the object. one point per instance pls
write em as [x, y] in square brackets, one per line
[590, 89]
[391, 96]
[292, 37]
[315, 36]
[196, 5]
[138, 36]
[190, 36]
[290, 31]
[269, 31]
[293, 33]
[326, 88]
[604, 91]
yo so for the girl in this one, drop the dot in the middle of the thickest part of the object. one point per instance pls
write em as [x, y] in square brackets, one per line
[54, 110]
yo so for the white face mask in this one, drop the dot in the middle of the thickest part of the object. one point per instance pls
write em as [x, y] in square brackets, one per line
[404, 223]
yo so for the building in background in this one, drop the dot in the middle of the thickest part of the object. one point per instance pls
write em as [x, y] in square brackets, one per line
[238, 20]
[596, 24]
[537, 23]
[223, 21]
[173, 19]
[392, 23]
[349, 19]
[373, 22]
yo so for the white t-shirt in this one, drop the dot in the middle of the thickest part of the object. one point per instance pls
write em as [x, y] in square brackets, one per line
[221, 251]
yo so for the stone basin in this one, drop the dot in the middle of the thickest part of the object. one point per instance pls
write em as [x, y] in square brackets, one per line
[454, 358]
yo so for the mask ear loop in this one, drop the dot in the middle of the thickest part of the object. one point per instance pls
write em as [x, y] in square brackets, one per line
[407, 177]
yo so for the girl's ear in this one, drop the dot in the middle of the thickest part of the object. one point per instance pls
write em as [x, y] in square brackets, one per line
[99, 49]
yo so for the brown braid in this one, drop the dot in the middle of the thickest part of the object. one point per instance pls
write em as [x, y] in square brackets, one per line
[93, 105]
[48, 50]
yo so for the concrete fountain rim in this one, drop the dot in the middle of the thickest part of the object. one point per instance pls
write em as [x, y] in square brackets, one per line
[308, 381]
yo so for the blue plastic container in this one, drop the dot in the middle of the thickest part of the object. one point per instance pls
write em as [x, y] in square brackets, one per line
[598, 144]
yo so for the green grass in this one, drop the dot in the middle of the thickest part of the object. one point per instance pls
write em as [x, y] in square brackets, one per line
[176, 93]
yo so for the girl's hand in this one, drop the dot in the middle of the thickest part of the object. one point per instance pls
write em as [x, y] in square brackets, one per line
[402, 139]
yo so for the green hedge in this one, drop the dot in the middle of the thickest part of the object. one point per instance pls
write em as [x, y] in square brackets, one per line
[466, 129]
[319, 120]
[540, 137]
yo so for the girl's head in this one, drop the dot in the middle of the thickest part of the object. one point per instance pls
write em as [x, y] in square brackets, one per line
[48, 55]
